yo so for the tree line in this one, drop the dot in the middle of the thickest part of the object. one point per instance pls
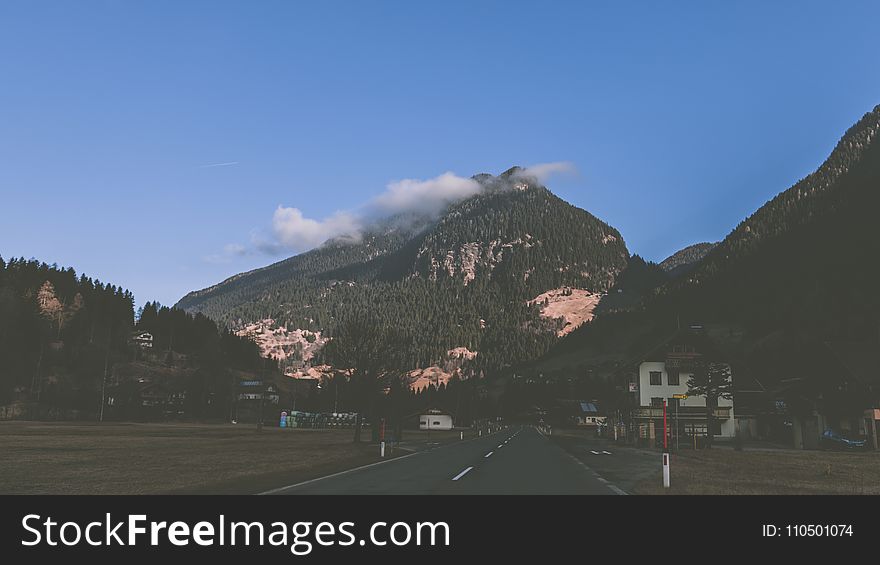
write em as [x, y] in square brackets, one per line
[62, 335]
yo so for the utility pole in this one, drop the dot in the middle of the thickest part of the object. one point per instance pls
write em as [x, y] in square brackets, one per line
[262, 396]
[106, 369]
[665, 450]
[678, 398]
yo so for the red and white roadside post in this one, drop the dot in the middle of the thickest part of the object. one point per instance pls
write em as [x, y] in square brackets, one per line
[382, 438]
[665, 450]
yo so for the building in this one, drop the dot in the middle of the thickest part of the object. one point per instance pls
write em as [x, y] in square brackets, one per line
[843, 395]
[143, 340]
[810, 386]
[435, 421]
[579, 413]
[256, 390]
[663, 375]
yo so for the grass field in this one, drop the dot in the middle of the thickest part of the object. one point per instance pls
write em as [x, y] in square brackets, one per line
[725, 471]
[115, 458]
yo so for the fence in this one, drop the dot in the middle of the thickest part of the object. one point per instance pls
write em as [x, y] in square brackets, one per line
[313, 420]
[36, 412]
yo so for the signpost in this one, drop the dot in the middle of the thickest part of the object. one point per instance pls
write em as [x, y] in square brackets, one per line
[678, 397]
[665, 450]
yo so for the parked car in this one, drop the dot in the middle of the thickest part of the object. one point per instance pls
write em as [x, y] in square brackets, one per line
[833, 440]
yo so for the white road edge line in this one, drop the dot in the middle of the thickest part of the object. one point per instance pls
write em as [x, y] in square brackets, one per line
[347, 471]
[608, 484]
[463, 473]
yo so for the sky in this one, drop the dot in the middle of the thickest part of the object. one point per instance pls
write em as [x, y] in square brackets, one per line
[164, 146]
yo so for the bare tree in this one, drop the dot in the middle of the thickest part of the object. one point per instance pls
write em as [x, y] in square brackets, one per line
[372, 354]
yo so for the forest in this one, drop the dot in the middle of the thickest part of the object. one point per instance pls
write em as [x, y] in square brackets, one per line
[463, 280]
[64, 338]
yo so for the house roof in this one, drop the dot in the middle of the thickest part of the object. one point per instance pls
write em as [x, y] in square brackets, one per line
[858, 359]
[579, 406]
[693, 341]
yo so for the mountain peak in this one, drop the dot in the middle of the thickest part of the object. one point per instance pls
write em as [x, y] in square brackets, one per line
[514, 171]
[685, 258]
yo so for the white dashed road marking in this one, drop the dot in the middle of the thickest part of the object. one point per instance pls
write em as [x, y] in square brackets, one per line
[463, 473]
[608, 484]
[489, 454]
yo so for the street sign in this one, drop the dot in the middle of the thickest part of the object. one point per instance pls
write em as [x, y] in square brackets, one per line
[680, 396]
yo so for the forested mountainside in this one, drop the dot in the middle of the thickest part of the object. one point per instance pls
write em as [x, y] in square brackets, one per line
[63, 337]
[806, 254]
[802, 268]
[461, 280]
[686, 259]
[829, 192]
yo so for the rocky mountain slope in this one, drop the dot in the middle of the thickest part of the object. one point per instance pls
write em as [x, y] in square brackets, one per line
[801, 269]
[685, 259]
[466, 279]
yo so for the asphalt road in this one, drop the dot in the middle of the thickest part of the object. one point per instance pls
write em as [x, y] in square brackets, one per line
[623, 466]
[518, 460]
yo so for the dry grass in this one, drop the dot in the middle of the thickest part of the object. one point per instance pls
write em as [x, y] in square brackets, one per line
[76, 458]
[724, 471]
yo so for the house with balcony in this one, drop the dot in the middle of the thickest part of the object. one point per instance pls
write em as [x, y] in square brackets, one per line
[663, 375]
[813, 386]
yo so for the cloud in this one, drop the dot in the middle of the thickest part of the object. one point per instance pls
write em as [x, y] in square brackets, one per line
[298, 233]
[293, 231]
[230, 251]
[267, 247]
[543, 171]
[423, 196]
[235, 249]
[227, 164]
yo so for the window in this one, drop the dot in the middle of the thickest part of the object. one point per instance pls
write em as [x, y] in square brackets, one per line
[672, 403]
[716, 428]
[656, 378]
[673, 376]
[657, 402]
[436, 422]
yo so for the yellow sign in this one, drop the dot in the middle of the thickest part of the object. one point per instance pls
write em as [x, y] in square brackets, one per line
[680, 396]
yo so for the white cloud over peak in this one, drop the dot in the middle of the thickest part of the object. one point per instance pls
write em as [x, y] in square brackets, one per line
[543, 171]
[293, 231]
[298, 233]
[424, 196]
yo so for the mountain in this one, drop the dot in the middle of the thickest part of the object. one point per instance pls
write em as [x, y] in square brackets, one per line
[65, 340]
[632, 285]
[803, 266]
[464, 279]
[685, 259]
[806, 254]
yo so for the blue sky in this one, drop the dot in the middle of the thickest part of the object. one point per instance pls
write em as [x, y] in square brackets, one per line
[681, 118]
